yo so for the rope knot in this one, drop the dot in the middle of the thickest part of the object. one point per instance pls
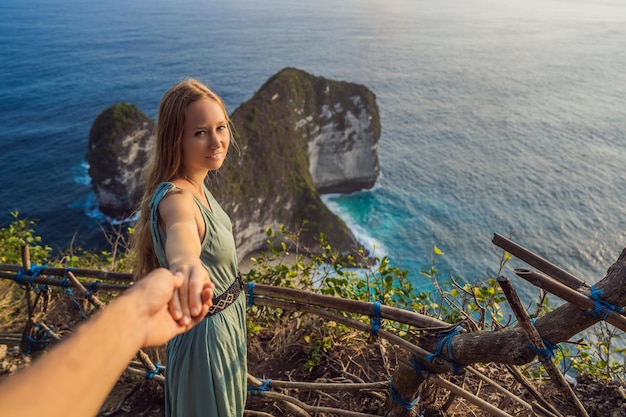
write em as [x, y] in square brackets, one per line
[445, 338]
[375, 320]
[92, 289]
[31, 274]
[546, 354]
[258, 391]
[602, 308]
[150, 373]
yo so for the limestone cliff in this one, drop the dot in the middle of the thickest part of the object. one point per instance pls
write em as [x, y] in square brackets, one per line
[298, 136]
[119, 142]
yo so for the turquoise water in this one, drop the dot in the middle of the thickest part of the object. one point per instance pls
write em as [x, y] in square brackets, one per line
[496, 117]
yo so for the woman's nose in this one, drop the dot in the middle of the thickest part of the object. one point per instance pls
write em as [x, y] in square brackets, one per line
[214, 140]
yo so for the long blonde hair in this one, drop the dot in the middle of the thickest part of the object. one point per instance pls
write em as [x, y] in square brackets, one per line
[165, 164]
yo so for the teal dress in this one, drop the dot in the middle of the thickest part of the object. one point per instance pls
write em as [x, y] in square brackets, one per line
[206, 367]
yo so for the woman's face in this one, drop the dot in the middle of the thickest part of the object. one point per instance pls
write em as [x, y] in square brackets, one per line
[205, 136]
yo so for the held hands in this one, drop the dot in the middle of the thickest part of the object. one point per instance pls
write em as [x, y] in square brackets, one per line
[192, 300]
[154, 295]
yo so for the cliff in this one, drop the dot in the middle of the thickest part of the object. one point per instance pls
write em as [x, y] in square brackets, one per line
[298, 136]
[120, 140]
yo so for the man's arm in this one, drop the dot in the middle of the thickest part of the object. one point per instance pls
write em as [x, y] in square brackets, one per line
[75, 377]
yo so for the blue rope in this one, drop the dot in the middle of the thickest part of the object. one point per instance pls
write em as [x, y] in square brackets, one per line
[31, 273]
[445, 338]
[251, 293]
[375, 319]
[546, 353]
[407, 405]
[602, 308]
[150, 373]
[64, 284]
[416, 365]
[38, 343]
[19, 277]
[70, 293]
[258, 391]
[92, 289]
[41, 288]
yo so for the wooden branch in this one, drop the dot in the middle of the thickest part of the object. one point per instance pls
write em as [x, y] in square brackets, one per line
[538, 262]
[330, 386]
[294, 385]
[81, 272]
[26, 257]
[353, 306]
[83, 291]
[479, 402]
[510, 346]
[569, 295]
[145, 360]
[549, 409]
[57, 282]
[252, 413]
[11, 340]
[311, 408]
[500, 389]
[535, 339]
[437, 362]
[50, 332]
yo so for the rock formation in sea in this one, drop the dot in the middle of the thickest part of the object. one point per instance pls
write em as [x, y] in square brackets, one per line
[120, 140]
[298, 136]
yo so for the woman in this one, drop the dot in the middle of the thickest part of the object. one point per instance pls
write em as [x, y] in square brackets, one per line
[183, 228]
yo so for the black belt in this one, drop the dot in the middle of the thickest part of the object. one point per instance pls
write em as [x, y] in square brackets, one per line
[225, 299]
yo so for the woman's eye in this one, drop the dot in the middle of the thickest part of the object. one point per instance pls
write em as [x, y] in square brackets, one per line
[220, 128]
[201, 132]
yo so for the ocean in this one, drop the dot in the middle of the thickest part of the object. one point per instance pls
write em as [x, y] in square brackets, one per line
[497, 117]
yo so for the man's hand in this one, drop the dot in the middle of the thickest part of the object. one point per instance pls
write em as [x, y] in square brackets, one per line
[155, 294]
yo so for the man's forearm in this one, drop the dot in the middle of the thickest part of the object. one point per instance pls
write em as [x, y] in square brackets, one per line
[108, 340]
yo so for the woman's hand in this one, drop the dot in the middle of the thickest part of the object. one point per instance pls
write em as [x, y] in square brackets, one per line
[153, 295]
[192, 300]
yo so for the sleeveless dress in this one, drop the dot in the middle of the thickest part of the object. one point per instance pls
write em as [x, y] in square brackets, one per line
[206, 366]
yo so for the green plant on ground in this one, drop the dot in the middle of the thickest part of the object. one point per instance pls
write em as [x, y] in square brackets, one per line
[601, 355]
[17, 234]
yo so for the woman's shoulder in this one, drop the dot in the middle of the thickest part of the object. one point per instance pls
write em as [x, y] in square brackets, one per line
[165, 190]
